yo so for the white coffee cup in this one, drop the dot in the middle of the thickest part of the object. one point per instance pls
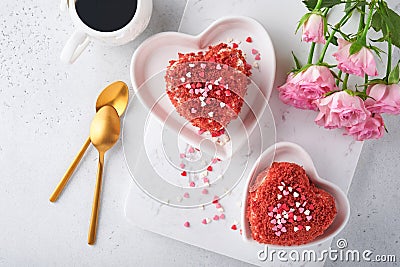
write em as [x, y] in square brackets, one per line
[84, 34]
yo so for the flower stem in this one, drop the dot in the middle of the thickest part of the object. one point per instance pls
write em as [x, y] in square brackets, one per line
[311, 54]
[363, 38]
[361, 24]
[336, 28]
[318, 5]
[339, 77]
[389, 57]
[346, 78]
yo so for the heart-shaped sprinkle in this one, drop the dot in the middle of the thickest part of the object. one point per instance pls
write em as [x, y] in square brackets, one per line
[280, 188]
[283, 230]
[222, 216]
[274, 228]
[280, 226]
[192, 65]
[218, 67]
[285, 193]
[278, 216]
[249, 39]
[204, 191]
[279, 197]
[191, 91]
[295, 229]
[209, 168]
[295, 194]
[203, 65]
[186, 224]
[254, 51]
[311, 207]
[286, 216]
[183, 173]
[206, 180]
[181, 165]
[283, 220]
[309, 218]
[301, 210]
[290, 188]
[203, 104]
[186, 195]
[216, 218]
[275, 209]
[278, 233]
[234, 227]
[202, 98]
[208, 101]
[298, 204]
[308, 228]
[307, 212]
[235, 45]
[189, 74]
[193, 110]
[273, 221]
[218, 92]
[257, 57]
[192, 184]
[270, 214]
[222, 104]
[228, 93]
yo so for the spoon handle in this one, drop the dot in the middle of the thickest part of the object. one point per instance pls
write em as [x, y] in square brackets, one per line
[69, 172]
[96, 201]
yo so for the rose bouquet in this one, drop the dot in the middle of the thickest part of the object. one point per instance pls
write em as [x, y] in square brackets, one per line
[323, 87]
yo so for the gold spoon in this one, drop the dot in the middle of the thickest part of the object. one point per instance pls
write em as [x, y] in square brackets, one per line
[116, 95]
[104, 133]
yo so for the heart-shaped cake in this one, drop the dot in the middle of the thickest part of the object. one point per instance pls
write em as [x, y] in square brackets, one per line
[287, 209]
[208, 87]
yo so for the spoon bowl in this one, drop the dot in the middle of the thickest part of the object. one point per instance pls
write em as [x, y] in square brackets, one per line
[104, 133]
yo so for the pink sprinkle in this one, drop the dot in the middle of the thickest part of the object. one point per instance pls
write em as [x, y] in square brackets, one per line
[257, 57]
[186, 195]
[273, 221]
[182, 155]
[204, 191]
[283, 220]
[228, 93]
[203, 65]
[218, 67]
[303, 197]
[191, 91]
[301, 210]
[182, 165]
[279, 205]
[309, 218]
[299, 218]
[214, 160]
[283, 230]
[193, 110]
[226, 67]
[191, 150]
[204, 221]
[278, 233]
[196, 91]
[218, 92]
[192, 184]
[275, 209]
[222, 216]
[274, 228]
[285, 193]
[206, 180]
[216, 218]
[280, 226]
[186, 224]
[311, 207]
[271, 214]
[218, 206]
[254, 51]
[208, 101]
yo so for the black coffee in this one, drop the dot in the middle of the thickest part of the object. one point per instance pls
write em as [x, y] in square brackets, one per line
[106, 15]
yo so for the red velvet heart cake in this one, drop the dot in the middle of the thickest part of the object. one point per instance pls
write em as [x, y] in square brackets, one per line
[207, 88]
[287, 209]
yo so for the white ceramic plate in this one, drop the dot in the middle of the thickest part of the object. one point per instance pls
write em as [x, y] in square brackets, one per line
[290, 152]
[150, 60]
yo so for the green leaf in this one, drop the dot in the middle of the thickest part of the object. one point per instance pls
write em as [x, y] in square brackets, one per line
[350, 5]
[310, 4]
[355, 48]
[376, 22]
[334, 41]
[392, 20]
[302, 21]
[296, 61]
[394, 76]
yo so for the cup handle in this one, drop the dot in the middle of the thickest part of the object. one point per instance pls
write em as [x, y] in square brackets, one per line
[74, 47]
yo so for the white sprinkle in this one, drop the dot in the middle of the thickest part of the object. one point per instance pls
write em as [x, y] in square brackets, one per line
[208, 220]
[221, 210]
[191, 65]
[280, 188]
[308, 228]
[255, 65]
[222, 104]
[297, 204]
[290, 189]
[278, 221]
[304, 204]
[282, 183]
[211, 114]
[203, 174]
[279, 197]
[203, 104]
[183, 79]
[307, 212]
[295, 217]
[295, 229]
[295, 194]
[202, 98]
[216, 82]
[189, 74]
[278, 216]
[188, 86]
[286, 216]
[229, 40]
[209, 86]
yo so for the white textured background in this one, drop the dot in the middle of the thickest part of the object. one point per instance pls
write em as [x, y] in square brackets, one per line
[45, 111]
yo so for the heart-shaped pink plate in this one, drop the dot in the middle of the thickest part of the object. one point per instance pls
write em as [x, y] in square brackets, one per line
[148, 68]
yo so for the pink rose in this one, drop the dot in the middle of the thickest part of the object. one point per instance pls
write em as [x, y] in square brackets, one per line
[313, 29]
[371, 128]
[341, 110]
[359, 63]
[302, 89]
[386, 98]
